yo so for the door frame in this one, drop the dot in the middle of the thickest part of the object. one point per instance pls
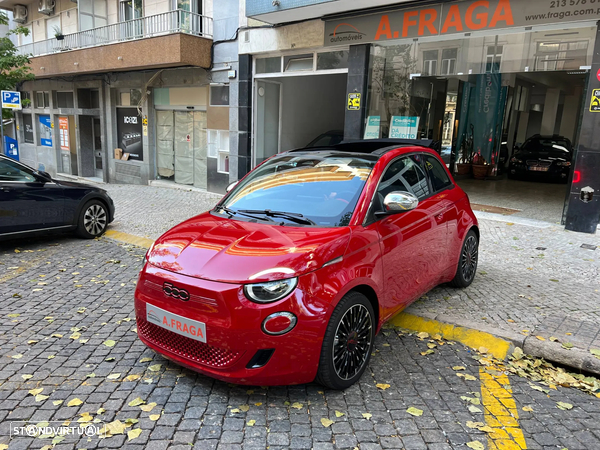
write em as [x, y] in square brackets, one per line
[255, 115]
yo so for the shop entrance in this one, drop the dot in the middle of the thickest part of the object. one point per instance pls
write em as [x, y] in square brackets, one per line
[182, 147]
[484, 100]
[293, 111]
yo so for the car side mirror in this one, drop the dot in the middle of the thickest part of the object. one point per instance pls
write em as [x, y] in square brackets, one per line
[43, 176]
[397, 202]
[231, 186]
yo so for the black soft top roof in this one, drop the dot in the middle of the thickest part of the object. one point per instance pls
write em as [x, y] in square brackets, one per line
[376, 147]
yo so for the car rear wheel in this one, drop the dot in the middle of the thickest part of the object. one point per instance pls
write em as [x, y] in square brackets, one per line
[467, 264]
[347, 343]
[93, 220]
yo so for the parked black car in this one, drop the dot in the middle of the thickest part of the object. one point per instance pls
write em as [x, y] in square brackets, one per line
[32, 201]
[542, 157]
[331, 137]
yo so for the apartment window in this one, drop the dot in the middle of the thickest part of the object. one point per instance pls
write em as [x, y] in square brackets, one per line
[52, 26]
[218, 147]
[42, 99]
[493, 58]
[129, 97]
[64, 100]
[430, 61]
[449, 61]
[561, 55]
[26, 99]
[268, 65]
[26, 39]
[92, 14]
[131, 9]
[219, 95]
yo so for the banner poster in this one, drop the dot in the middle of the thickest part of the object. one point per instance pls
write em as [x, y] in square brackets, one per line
[63, 132]
[45, 130]
[485, 117]
[129, 133]
[372, 128]
[463, 119]
[404, 127]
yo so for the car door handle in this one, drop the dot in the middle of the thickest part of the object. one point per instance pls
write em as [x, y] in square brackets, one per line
[5, 189]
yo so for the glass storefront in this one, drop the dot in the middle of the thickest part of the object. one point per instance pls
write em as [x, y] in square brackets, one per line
[484, 91]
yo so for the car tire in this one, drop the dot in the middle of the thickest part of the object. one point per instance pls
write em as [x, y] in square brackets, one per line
[349, 337]
[93, 220]
[467, 262]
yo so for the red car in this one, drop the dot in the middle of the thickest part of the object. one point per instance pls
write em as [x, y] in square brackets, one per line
[288, 279]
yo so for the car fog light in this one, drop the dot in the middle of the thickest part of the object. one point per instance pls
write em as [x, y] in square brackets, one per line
[279, 323]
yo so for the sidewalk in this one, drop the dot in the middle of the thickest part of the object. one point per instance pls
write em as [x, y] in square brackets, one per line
[536, 286]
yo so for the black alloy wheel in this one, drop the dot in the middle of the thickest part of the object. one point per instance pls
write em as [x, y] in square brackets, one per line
[467, 264]
[348, 342]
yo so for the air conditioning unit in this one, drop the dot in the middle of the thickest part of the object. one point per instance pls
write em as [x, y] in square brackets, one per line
[20, 13]
[46, 7]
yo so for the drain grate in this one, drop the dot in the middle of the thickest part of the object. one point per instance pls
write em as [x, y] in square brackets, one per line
[588, 246]
[540, 248]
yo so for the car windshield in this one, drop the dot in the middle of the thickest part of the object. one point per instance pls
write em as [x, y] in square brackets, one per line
[547, 144]
[316, 188]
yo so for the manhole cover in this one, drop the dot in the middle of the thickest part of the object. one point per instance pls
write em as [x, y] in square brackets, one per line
[588, 246]
[540, 248]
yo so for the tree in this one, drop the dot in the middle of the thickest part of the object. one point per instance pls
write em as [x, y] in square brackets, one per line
[14, 67]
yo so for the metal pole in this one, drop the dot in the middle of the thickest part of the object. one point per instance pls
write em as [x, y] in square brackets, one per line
[2, 129]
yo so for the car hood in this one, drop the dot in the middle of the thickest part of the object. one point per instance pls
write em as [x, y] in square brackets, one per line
[548, 155]
[236, 251]
[74, 184]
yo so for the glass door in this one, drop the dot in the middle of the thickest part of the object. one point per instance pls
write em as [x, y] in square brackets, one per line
[131, 10]
[267, 125]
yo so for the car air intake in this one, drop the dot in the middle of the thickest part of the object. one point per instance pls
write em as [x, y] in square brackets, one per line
[260, 358]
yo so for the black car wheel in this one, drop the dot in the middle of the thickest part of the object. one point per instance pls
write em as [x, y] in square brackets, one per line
[347, 343]
[467, 264]
[93, 220]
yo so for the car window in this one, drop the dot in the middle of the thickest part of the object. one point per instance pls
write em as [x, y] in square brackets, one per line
[546, 144]
[11, 171]
[405, 175]
[437, 174]
[321, 186]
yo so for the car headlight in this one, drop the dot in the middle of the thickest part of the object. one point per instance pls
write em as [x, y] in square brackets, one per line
[271, 291]
[563, 163]
[516, 160]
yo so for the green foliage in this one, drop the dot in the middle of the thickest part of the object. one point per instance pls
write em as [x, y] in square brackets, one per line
[14, 68]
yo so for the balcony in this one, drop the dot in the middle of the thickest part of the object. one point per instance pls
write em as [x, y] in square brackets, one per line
[171, 39]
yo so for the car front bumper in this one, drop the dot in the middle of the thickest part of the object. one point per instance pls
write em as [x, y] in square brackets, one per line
[553, 172]
[233, 329]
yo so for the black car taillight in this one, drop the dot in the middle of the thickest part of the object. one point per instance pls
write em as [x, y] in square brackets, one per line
[260, 358]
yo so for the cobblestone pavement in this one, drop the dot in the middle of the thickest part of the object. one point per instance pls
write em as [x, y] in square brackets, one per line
[63, 300]
[532, 275]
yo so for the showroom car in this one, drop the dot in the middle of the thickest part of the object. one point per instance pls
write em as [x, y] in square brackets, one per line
[289, 278]
[31, 201]
[542, 157]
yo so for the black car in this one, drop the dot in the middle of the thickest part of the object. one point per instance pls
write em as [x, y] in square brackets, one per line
[331, 137]
[32, 201]
[542, 157]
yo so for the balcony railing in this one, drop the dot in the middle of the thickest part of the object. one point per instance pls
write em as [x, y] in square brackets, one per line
[177, 21]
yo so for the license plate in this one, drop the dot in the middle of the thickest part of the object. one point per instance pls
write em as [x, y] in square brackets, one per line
[538, 168]
[175, 323]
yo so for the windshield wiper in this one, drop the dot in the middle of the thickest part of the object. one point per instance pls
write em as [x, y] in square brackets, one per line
[293, 217]
[232, 213]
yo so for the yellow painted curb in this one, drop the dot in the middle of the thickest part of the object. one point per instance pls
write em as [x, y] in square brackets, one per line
[128, 238]
[475, 339]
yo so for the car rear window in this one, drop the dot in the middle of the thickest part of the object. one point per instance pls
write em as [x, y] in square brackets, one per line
[547, 144]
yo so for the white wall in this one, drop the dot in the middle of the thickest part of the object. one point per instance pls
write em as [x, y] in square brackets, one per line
[311, 105]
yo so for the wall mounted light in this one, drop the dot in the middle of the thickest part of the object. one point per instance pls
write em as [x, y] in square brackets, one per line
[42, 68]
[75, 63]
[120, 58]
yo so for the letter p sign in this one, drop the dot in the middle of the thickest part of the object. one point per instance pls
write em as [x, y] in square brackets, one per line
[11, 99]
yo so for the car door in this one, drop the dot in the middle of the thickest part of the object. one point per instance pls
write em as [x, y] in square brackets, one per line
[410, 241]
[27, 202]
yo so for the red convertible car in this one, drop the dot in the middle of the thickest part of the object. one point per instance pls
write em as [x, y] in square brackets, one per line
[289, 278]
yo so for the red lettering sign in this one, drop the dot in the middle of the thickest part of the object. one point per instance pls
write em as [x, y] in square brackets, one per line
[427, 18]
[384, 28]
[407, 22]
[482, 17]
[503, 13]
[453, 20]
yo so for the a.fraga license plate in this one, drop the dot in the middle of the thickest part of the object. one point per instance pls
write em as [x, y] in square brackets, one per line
[175, 323]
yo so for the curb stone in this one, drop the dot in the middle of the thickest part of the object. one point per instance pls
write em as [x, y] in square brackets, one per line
[500, 343]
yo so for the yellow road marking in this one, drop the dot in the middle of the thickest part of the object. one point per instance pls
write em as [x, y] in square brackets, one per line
[496, 347]
[500, 411]
[128, 238]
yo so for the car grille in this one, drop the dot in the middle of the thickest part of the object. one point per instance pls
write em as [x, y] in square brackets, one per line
[185, 347]
[538, 163]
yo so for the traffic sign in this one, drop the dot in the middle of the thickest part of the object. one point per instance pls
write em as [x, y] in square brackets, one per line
[11, 99]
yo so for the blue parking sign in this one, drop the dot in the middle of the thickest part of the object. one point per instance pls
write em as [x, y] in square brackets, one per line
[11, 99]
